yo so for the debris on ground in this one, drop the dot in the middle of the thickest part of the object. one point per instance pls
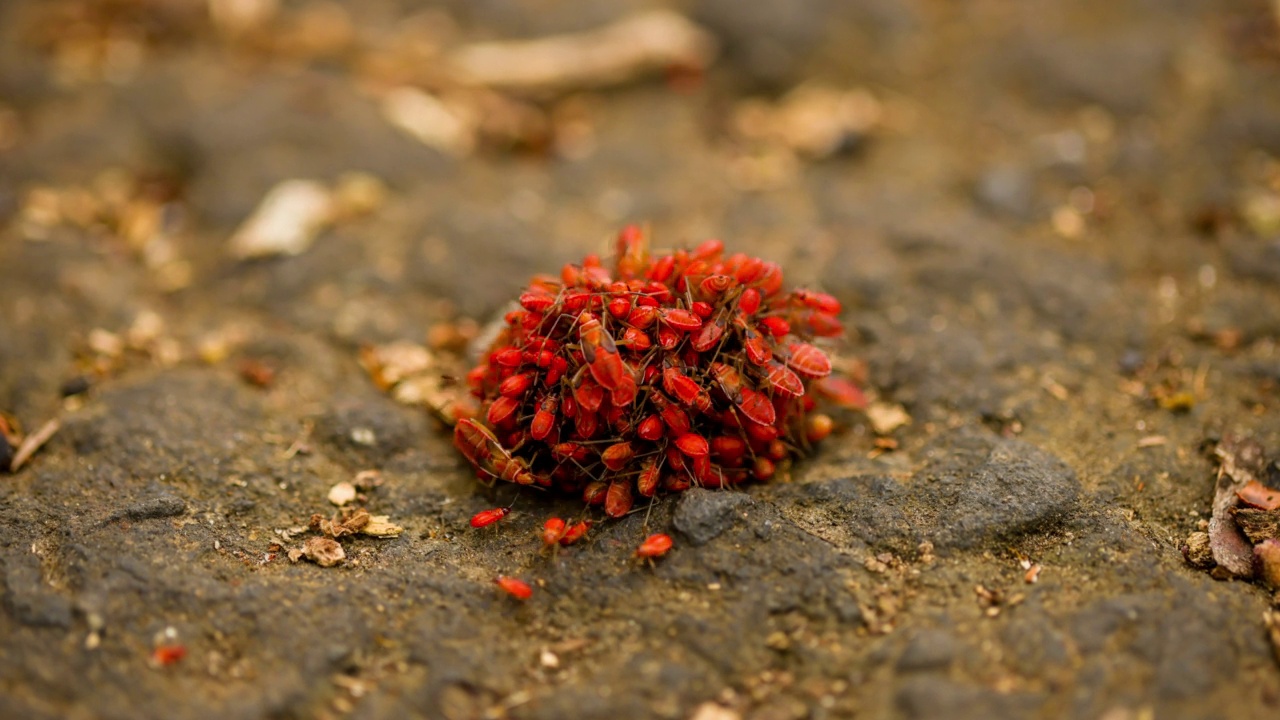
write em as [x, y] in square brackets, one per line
[417, 376]
[887, 417]
[630, 48]
[323, 551]
[286, 222]
[1243, 538]
[31, 443]
[351, 522]
[813, 120]
[1271, 620]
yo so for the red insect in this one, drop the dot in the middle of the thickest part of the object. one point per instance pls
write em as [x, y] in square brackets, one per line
[682, 320]
[617, 456]
[647, 483]
[693, 445]
[168, 654]
[808, 360]
[553, 531]
[485, 518]
[650, 428]
[575, 532]
[707, 337]
[618, 499]
[544, 421]
[516, 385]
[600, 351]
[479, 445]
[654, 546]
[818, 301]
[784, 381]
[514, 587]
[752, 404]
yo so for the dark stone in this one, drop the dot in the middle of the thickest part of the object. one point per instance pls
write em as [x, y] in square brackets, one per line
[1121, 71]
[1131, 361]
[151, 508]
[1033, 643]
[182, 422]
[75, 386]
[1257, 260]
[871, 507]
[28, 598]
[771, 44]
[6, 453]
[926, 696]
[927, 650]
[1007, 190]
[703, 515]
[986, 488]
[368, 432]
[979, 488]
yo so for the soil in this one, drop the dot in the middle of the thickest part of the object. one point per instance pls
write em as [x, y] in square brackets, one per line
[1055, 251]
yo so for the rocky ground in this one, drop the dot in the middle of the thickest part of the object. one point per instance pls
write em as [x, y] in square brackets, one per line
[1054, 227]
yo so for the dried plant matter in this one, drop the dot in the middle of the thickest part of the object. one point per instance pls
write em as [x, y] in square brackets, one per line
[616, 53]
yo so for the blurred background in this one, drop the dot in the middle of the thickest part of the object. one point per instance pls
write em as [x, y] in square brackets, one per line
[362, 170]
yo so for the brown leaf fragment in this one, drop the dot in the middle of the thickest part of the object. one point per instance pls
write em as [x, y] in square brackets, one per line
[322, 551]
[1258, 525]
[1267, 556]
[342, 524]
[1197, 552]
[1241, 459]
[1258, 495]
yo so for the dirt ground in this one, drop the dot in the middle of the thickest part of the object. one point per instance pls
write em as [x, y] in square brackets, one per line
[1055, 227]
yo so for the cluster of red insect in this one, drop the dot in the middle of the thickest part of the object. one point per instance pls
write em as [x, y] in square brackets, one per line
[682, 369]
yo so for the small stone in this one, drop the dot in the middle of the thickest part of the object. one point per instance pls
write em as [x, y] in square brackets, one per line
[1007, 190]
[928, 650]
[778, 640]
[703, 515]
[75, 386]
[342, 493]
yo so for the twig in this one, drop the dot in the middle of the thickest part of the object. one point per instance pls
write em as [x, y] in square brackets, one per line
[32, 443]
